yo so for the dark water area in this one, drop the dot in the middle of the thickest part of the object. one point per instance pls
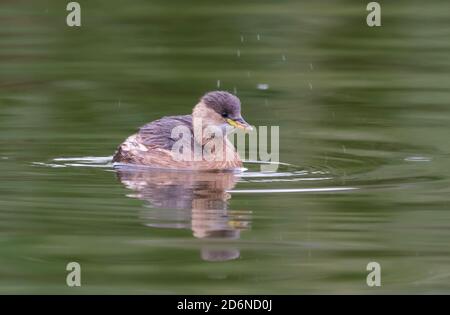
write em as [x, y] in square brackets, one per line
[364, 120]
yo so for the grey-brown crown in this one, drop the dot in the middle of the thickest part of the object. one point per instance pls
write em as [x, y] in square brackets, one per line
[223, 103]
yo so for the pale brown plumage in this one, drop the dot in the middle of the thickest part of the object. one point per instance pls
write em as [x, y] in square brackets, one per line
[152, 145]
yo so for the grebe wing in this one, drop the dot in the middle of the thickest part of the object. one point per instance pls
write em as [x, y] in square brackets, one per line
[158, 133]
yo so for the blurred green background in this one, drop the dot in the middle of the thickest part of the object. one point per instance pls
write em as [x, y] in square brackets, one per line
[364, 107]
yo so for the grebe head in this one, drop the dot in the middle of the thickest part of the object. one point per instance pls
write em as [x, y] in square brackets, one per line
[220, 109]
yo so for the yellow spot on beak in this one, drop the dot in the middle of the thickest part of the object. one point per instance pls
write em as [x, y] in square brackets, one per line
[233, 123]
[239, 125]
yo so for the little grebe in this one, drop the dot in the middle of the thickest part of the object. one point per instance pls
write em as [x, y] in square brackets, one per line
[156, 144]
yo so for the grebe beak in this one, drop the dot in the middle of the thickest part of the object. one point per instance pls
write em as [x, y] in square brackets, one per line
[239, 123]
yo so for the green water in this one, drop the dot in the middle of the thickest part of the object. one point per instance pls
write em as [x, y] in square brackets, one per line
[362, 109]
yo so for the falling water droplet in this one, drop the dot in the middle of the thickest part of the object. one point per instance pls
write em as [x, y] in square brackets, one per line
[242, 38]
[234, 90]
[258, 37]
[238, 53]
[283, 57]
[310, 86]
[218, 83]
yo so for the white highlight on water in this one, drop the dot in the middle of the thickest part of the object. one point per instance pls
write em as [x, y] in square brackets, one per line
[274, 180]
[262, 86]
[88, 159]
[417, 159]
[48, 164]
[293, 190]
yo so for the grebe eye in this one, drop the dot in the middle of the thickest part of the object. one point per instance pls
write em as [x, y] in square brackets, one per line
[224, 115]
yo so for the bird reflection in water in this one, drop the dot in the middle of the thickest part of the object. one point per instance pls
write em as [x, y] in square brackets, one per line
[190, 200]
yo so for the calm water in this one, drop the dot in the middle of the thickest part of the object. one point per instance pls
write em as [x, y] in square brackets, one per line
[364, 120]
